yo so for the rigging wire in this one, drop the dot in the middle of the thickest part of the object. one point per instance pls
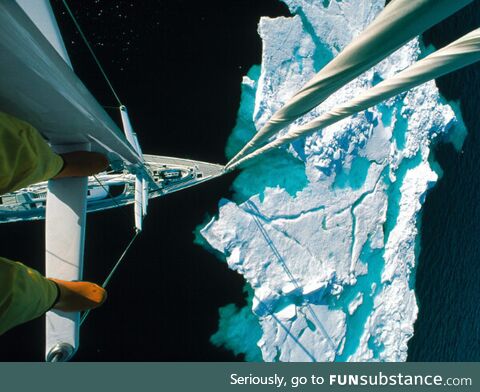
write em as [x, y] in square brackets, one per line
[112, 272]
[80, 31]
[97, 61]
[110, 195]
[122, 257]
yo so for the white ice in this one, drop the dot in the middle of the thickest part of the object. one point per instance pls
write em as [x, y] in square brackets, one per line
[331, 265]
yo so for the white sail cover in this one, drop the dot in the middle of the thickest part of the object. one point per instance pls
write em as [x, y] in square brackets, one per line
[458, 54]
[40, 12]
[399, 22]
[37, 85]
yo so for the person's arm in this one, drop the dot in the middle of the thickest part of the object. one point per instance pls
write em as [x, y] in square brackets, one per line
[25, 294]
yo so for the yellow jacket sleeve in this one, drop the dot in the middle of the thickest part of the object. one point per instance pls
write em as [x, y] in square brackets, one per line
[25, 157]
[24, 294]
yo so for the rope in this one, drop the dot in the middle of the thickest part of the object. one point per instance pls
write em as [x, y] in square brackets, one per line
[91, 51]
[112, 272]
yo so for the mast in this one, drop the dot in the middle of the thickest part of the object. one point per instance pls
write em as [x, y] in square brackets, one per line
[39, 86]
[65, 214]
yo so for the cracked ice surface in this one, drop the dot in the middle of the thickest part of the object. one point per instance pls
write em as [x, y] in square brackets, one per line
[330, 264]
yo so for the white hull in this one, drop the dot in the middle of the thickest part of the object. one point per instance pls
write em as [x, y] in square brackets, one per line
[117, 189]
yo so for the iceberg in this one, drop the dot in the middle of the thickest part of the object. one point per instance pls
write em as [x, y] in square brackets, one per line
[325, 231]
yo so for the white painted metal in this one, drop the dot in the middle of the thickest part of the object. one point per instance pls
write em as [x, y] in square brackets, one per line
[141, 186]
[145, 196]
[138, 207]
[128, 129]
[65, 237]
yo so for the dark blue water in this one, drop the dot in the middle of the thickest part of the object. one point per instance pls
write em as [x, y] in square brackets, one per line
[448, 272]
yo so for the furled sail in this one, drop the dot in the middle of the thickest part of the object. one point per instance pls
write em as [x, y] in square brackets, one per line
[41, 14]
[399, 22]
[38, 86]
[458, 54]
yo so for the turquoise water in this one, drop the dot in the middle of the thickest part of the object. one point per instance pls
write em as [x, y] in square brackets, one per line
[355, 177]
[368, 285]
[239, 330]
[278, 168]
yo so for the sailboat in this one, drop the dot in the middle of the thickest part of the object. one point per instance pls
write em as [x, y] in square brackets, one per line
[38, 85]
[113, 189]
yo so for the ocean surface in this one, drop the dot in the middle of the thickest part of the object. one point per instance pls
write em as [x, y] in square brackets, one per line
[448, 270]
